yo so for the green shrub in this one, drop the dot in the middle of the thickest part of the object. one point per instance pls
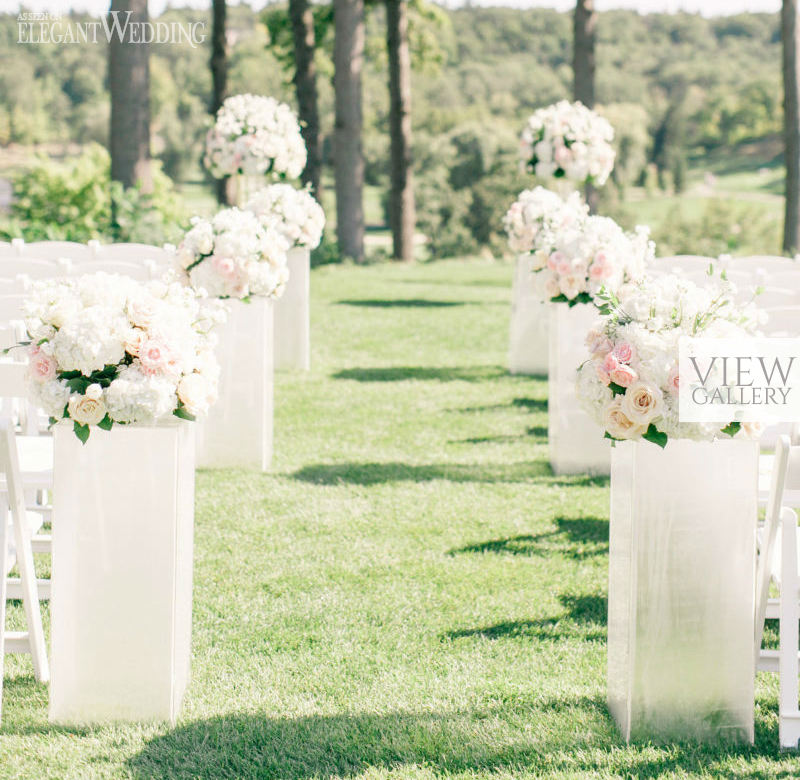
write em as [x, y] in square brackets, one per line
[76, 200]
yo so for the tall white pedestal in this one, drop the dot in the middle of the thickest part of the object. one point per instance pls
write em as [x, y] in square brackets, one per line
[577, 443]
[681, 589]
[238, 430]
[528, 349]
[293, 316]
[121, 609]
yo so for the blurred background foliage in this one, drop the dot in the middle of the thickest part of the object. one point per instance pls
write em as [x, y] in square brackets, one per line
[696, 104]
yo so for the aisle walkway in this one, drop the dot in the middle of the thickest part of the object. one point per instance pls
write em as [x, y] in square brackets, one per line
[411, 593]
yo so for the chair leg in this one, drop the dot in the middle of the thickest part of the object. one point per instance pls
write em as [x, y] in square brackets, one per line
[789, 711]
[30, 601]
[4, 558]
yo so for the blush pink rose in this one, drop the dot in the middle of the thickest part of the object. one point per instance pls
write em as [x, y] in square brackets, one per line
[674, 381]
[563, 156]
[41, 367]
[611, 363]
[224, 266]
[623, 375]
[555, 260]
[602, 374]
[624, 352]
[154, 356]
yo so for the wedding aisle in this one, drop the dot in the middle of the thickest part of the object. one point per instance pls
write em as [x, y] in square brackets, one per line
[409, 593]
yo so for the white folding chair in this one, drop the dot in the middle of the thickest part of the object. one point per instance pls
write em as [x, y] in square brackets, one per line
[32, 268]
[142, 271]
[35, 453]
[135, 253]
[57, 250]
[17, 526]
[778, 553]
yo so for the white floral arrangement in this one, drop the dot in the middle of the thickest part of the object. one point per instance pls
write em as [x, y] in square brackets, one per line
[630, 384]
[540, 213]
[233, 255]
[105, 349]
[575, 264]
[255, 136]
[568, 141]
[293, 212]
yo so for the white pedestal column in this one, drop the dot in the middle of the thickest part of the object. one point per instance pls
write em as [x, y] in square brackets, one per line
[528, 350]
[576, 441]
[681, 583]
[293, 314]
[238, 430]
[121, 614]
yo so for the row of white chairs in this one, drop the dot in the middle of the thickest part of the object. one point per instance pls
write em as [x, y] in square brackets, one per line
[92, 250]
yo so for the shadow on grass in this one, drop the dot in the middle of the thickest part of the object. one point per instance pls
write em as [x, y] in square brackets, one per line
[584, 618]
[569, 736]
[400, 303]
[531, 404]
[537, 432]
[439, 374]
[536, 471]
[577, 538]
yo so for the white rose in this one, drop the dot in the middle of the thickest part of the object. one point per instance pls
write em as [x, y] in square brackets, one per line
[196, 393]
[85, 410]
[618, 423]
[642, 402]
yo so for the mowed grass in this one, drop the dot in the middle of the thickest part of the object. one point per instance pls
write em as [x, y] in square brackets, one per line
[410, 593]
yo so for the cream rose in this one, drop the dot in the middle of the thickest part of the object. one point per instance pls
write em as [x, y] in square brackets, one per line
[617, 422]
[642, 402]
[85, 410]
[196, 393]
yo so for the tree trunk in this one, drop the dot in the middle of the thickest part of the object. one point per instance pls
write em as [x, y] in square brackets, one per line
[402, 215]
[305, 83]
[791, 89]
[583, 67]
[585, 22]
[219, 77]
[348, 57]
[129, 84]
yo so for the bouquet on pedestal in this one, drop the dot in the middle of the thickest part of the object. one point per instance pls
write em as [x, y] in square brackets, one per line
[290, 211]
[630, 384]
[255, 136]
[107, 349]
[234, 255]
[568, 141]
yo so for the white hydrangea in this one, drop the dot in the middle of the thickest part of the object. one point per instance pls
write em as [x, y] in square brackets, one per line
[244, 256]
[630, 381]
[107, 349]
[541, 213]
[255, 136]
[293, 212]
[567, 140]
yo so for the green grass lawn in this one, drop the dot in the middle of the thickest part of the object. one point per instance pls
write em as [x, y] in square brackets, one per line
[410, 593]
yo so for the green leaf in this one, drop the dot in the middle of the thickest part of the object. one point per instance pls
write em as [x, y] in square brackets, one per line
[106, 423]
[81, 431]
[183, 414]
[614, 440]
[657, 437]
[79, 384]
[732, 428]
[616, 389]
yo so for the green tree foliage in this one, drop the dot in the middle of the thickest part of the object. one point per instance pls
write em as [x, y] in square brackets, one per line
[676, 87]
